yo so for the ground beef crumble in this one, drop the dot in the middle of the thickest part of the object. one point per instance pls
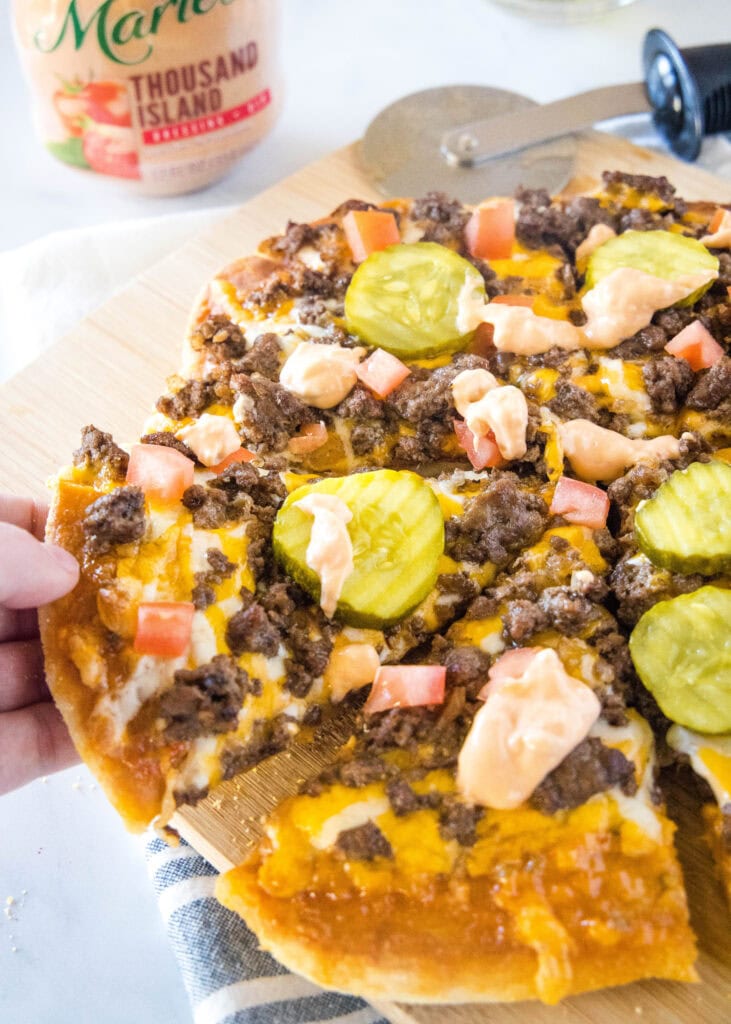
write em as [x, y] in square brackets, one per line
[667, 381]
[168, 440]
[98, 451]
[497, 523]
[442, 219]
[219, 568]
[712, 390]
[203, 700]
[236, 493]
[365, 842]
[115, 518]
[459, 821]
[271, 414]
[590, 768]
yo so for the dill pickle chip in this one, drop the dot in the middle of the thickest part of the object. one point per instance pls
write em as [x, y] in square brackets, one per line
[660, 253]
[397, 533]
[405, 299]
[682, 652]
[686, 525]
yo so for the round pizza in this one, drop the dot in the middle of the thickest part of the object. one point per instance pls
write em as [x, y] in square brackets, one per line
[467, 471]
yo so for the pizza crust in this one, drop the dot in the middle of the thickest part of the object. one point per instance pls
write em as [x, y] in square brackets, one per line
[392, 947]
[134, 785]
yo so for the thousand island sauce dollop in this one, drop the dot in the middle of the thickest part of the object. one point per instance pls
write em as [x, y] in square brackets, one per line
[165, 94]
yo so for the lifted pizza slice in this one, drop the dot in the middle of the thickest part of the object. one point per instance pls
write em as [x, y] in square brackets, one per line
[217, 614]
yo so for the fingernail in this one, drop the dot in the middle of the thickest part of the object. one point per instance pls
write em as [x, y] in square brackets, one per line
[63, 558]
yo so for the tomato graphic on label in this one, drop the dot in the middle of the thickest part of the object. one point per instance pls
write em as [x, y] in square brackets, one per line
[70, 108]
[101, 102]
[106, 103]
[110, 149]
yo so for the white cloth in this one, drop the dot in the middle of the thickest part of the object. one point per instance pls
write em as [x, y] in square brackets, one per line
[46, 287]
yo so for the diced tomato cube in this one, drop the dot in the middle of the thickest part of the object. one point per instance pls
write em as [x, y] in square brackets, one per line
[241, 455]
[580, 503]
[164, 628]
[515, 300]
[382, 372]
[510, 665]
[160, 471]
[368, 231]
[482, 453]
[490, 231]
[406, 686]
[716, 220]
[311, 437]
[696, 345]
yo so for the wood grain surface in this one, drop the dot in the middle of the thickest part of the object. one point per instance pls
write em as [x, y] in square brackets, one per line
[111, 368]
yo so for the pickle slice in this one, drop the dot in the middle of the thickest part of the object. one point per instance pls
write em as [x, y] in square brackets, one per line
[660, 253]
[682, 652]
[405, 299]
[686, 525]
[397, 532]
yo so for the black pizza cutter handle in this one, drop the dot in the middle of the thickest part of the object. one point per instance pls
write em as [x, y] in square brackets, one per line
[689, 91]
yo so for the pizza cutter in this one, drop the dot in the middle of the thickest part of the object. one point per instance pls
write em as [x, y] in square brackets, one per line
[474, 140]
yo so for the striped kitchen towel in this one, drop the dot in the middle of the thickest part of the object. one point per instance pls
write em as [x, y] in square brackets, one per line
[229, 979]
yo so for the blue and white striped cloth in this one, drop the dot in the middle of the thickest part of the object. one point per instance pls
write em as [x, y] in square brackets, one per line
[229, 979]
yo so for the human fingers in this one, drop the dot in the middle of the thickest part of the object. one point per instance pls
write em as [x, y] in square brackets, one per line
[33, 741]
[18, 624]
[32, 573]
[22, 679]
[25, 513]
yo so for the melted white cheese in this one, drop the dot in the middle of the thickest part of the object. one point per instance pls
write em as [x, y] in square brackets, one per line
[352, 816]
[152, 675]
[697, 747]
[203, 644]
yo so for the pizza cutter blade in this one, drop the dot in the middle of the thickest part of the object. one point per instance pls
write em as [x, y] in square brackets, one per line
[473, 141]
[401, 153]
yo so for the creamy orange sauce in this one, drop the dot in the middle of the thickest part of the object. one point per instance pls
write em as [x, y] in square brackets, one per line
[321, 375]
[596, 453]
[330, 551]
[527, 726]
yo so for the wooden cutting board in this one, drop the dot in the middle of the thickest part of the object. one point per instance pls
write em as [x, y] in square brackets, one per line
[111, 368]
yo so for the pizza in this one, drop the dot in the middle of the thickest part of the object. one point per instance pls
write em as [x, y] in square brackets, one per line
[477, 460]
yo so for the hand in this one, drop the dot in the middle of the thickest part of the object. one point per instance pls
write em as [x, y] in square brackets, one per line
[33, 737]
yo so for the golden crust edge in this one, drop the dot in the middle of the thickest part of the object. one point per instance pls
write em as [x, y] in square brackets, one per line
[516, 969]
[64, 679]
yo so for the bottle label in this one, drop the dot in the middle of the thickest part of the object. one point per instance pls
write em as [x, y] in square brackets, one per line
[124, 38]
[170, 93]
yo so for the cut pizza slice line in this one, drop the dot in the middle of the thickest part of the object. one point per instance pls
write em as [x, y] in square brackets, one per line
[383, 878]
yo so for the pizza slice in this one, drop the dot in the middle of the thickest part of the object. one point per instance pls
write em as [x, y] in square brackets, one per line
[202, 636]
[493, 830]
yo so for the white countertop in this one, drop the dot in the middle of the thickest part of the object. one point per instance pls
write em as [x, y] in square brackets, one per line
[84, 944]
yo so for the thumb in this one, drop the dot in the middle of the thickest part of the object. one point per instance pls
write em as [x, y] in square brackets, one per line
[32, 573]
